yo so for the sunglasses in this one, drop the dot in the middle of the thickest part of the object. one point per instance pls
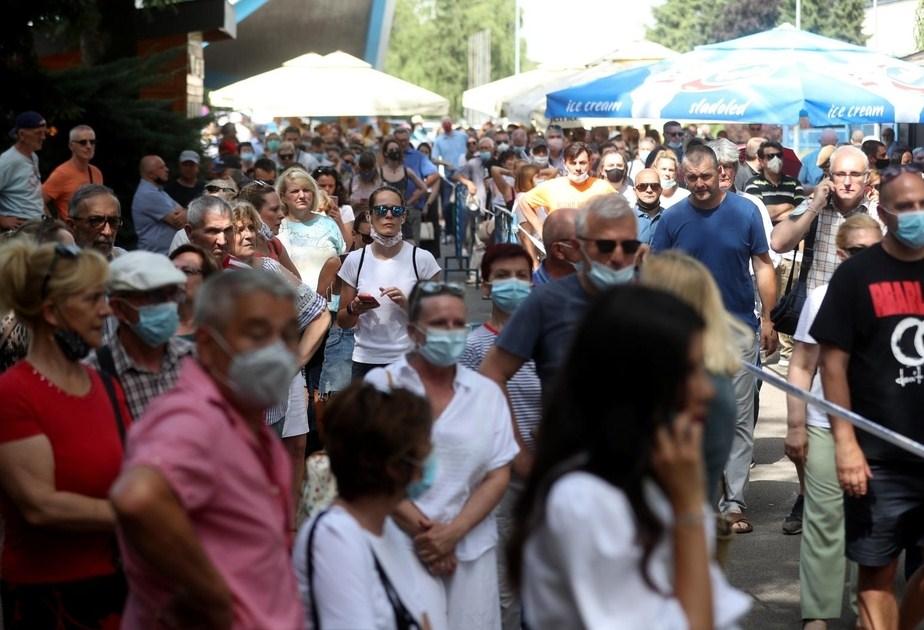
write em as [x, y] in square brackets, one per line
[770, 156]
[97, 222]
[286, 156]
[263, 183]
[85, 142]
[61, 251]
[643, 186]
[381, 211]
[853, 251]
[218, 189]
[608, 246]
[429, 288]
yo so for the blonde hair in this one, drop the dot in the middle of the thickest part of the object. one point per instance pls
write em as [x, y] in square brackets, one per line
[243, 211]
[24, 265]
[690, 280]
[666, 154]
[856, 223]
[297, 175]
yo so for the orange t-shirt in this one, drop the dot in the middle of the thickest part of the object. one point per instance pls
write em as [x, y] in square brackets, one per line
[64, 182]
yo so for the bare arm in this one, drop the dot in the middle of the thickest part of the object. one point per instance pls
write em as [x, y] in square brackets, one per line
[766, 289]
[327, 276]
[153, 522]
[802, 366]
[421, 187]
[27, 475]
[506, 190]
[787, 233]
[312, 337]
[852, 469]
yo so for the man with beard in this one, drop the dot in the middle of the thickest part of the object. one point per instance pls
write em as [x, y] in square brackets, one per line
[156, 215]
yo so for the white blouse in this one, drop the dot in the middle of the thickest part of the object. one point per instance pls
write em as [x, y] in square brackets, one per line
[581, 565]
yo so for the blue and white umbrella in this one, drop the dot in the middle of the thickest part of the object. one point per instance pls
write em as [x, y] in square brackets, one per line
[769, 77]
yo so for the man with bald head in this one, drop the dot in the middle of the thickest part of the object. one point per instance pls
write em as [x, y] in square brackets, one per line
[833, 201]
[156, 215]
[810, 173]
[751, 167]
[561, 247]
[648, 203]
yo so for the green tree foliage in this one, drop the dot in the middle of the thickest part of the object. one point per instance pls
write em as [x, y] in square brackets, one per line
[429, 42]
[684, 24]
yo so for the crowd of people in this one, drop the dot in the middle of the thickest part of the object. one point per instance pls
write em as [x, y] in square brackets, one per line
[579, 459]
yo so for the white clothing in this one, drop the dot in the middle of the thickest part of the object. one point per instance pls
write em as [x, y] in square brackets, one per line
[680, 195]
[346, 213]
[295, 421]
[581, 565]
[381, 334]
[629, 194]
[775, 258]
[310, 244]
[348, 589]
[814, 417]
[179, 239]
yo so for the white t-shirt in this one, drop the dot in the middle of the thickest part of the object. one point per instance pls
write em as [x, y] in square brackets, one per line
[179, 239]
[814, 417]
[381, 334]
[346, 213]
[472, 437]
[581, 565]
[679, 195]
[349, 592]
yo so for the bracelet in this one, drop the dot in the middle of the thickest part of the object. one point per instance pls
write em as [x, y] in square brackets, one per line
[689, 518]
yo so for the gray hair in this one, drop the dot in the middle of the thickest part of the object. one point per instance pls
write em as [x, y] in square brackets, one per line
[217, 298]
[72, 136]
[205, 205]
[610, 207]
[87, 192]
[726, 152]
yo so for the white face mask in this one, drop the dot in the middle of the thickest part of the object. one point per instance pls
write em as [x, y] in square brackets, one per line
[541, 160]
[643, 156]
[775, 166]
[578, 179]
[667, 184]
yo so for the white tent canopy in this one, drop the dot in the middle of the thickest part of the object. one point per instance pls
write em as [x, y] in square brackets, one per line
[521, 97]
[336, 84]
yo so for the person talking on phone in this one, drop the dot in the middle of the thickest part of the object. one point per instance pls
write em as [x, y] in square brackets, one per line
[835, 199]
[376, 282]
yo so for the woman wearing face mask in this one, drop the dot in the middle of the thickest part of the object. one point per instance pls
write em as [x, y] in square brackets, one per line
[290, 419]
[309, 237]
[376, 282]
[507, 273]
[366, 179]
[61, 429]
[395, 174]
[451, 525]
[613, 170]
[352, 570]
[665, 162]
[613, 529]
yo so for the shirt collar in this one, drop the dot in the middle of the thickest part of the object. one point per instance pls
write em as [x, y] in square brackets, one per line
[404, 370]
[176, 349]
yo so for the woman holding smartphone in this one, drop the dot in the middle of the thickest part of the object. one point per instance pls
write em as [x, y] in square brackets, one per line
[376, 282]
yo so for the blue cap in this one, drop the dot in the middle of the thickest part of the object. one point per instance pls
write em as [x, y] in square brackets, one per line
[27, 120]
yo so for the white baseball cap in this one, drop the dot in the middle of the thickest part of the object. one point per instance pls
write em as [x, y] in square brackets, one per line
[143, 271]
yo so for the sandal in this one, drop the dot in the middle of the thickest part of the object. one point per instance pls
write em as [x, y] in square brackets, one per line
[740, 523]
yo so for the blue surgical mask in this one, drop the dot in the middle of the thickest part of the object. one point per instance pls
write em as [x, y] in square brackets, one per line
[604, 277]
[157, 323]
[509, 293]
[910, 229]
[484, 155]
[272, 145]
[443, 347]
[419, 487]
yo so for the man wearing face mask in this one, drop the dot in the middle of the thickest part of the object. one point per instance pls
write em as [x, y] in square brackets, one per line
[555, 138]
[541, 328]
[876, 154]
[571, 191]
[779, 192]
[750, 168]
[869, 329]
[519, 143]
[724, 231]
[144, 355]
[204, 502]
[475, 172]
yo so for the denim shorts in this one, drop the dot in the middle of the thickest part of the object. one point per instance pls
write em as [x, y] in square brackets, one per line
[336, 372]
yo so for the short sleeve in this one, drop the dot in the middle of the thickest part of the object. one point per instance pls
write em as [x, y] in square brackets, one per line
[53, 186]
[426, 167]
[808, 315]
[337, 238]
[18, 418]
[752, 188]
[505, 445]
[798, 194]
[834, 324]
[756, 231]
[347, 214]
[521, 334]
[662, 237]
[427, 267]
[347, 271]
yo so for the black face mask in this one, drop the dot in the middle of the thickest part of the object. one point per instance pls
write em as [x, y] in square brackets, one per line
[615, 175]
[882, 164]
[648, 206]
[393, 155]
[72, 345]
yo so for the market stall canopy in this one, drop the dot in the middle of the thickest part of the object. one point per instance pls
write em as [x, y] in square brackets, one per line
[521, 97]
[337, 84]
[770, 77]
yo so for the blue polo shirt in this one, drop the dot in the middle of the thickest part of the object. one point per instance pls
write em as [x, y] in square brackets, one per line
[149, 207]
[723, 239]
[647, 224]
[451, 148]
[420, 164]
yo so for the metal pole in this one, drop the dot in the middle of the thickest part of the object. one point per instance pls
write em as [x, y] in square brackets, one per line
[799, 14]
[516, 37]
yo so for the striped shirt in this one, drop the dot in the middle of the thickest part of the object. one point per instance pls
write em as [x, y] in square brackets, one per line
[524, 389]
[789, 191]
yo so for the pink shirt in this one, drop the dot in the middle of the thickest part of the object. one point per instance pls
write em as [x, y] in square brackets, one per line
[235, 488]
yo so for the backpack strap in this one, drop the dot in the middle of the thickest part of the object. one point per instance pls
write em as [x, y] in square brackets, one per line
[404, 620]
[106, 361]
[109, 376]
[309, 569]
[414, 261]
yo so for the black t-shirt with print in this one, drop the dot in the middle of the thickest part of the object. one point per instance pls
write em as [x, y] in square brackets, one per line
[874, 310]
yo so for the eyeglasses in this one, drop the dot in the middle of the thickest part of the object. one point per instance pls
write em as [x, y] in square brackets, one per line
[97, 222]
[608, 246]
[61, 251]
[673, 133]
[842, 175]
[262, 183]
[86, 141]
[381, 211]
[286, 156]
[643, 186]
[218, 189]
[853, 251]
[324, 170]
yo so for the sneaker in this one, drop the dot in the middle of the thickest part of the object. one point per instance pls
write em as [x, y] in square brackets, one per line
[792, 524]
